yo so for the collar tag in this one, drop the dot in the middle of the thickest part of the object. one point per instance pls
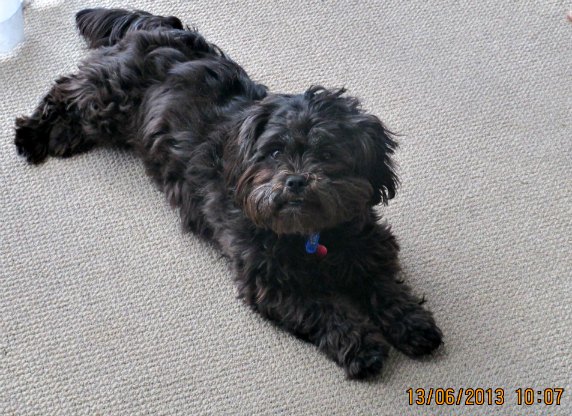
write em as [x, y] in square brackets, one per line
[312, 243]
[313, 246]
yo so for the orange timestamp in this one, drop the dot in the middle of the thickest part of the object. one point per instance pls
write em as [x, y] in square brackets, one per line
[483, 396]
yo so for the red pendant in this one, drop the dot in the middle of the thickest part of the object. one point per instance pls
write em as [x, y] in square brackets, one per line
[321, 251]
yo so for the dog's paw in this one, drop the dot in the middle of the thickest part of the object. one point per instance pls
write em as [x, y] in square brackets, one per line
[415, 333]
[29, 142]
[367, 361]
[365, 364]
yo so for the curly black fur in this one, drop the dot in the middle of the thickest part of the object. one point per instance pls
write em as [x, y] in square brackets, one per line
[253, 172]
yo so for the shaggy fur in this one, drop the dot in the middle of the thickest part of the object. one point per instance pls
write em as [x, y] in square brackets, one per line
[253, 172]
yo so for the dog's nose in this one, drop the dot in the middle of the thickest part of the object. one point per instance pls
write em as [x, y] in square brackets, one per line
[296, 183]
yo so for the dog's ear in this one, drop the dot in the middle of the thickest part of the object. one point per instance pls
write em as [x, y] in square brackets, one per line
[377, 147]
[247, 130]
[251, 127]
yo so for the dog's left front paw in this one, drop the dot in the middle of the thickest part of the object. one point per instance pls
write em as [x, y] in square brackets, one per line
[415, 333]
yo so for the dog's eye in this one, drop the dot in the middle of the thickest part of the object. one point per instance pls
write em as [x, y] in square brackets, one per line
[275, 154]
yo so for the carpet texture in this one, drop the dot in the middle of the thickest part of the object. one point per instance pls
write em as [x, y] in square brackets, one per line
[106, 307]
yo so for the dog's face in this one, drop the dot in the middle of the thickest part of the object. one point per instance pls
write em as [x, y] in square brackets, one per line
[310, 162]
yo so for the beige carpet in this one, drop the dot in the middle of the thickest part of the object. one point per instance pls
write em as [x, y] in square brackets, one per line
[106, 308]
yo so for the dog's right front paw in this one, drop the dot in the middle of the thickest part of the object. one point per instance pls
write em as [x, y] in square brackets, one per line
[368, 360]
[28, 142]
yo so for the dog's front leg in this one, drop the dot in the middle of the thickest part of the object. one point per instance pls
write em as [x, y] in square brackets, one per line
[406, 324]
[329, 321]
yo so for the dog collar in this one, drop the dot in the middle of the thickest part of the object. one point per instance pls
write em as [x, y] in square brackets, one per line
[313, 246]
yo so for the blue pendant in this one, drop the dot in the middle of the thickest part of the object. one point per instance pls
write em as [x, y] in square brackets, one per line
[312, 243]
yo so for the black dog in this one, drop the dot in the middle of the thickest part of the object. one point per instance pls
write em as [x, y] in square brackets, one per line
[270, 179]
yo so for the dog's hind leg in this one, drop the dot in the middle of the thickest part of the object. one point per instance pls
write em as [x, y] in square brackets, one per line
[79, 112]
[56, 127]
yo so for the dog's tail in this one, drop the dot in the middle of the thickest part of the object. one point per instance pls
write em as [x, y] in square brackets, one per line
[106, 27]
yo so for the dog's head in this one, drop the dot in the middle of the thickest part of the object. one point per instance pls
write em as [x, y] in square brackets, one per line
[309, 162]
